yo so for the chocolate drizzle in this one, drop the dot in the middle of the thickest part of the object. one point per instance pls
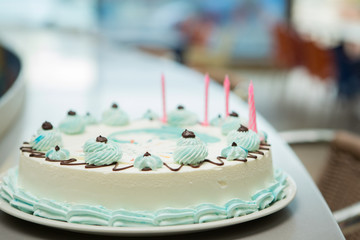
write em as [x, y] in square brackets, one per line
[26, 149]
[32, 152]
[188, 134]
[120, 169]
[145, 169]
[173, 169]
[209, 161]
[257, 152]
[37, 154]
[236, 159]
[264, 148]
[69, 162]
[99, 166]
[47, 126]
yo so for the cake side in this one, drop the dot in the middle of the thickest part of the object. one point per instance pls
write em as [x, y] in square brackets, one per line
[152, 190]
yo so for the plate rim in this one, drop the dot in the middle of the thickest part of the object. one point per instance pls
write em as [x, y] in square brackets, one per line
[290, 190]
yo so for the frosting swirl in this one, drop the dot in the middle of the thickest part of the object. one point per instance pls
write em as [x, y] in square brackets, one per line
[245, 138]
[57, 153]
[89, 119]
[232, 122]
[115, 116]
[150, 115]
[123, 218]
[209, 212]
[101, 151]
[182, 117]
[190, 149]
[92, 215]
[148, 161]
[217, 121]
[72, 124]
[46, 138]
[237, 207]
[173, 216]
[234, 152]
[51, 210]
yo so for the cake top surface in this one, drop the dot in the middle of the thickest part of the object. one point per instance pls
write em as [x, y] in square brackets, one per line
[118, 144]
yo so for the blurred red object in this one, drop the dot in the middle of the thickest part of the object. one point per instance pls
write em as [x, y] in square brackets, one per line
[286, 42]
[291, 51]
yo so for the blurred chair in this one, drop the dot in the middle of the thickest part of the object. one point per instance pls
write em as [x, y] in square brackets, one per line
[291, 50]
[285, 49]
[340, 181]
[317, 60]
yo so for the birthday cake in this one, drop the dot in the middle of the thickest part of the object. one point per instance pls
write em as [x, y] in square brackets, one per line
[122, 172]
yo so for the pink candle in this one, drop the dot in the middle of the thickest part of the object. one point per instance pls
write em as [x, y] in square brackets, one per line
[227, 91]
[164, 118]
[252, 109]
[207, 81]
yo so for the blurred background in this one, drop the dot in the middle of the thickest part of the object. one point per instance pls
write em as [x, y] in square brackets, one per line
[302, 55]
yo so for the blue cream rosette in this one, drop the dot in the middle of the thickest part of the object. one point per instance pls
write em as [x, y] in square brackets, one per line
[148, 162]
[115, 116]
[234, 152]
[150, 115]
[101, 151]
[182, 117]
[245, 138]
[217, 121]
[46, 138]
[190, 150]
[57, 153]
[72, 124]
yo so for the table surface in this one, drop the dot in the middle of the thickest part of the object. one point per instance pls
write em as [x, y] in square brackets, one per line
[66, 71]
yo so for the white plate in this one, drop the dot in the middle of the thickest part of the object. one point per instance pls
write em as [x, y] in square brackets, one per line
[290, 191]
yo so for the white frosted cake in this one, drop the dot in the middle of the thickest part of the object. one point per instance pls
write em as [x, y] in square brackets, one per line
[144, 172]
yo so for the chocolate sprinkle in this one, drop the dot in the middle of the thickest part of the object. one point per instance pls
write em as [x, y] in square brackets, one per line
[234, 144]
[180, 107]
[71, 113]
[114, 105]
[147, 154]
[234, 114]
[47, 126]
[57, 148]
[101, 139]
[242, 128]
[188, 134]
